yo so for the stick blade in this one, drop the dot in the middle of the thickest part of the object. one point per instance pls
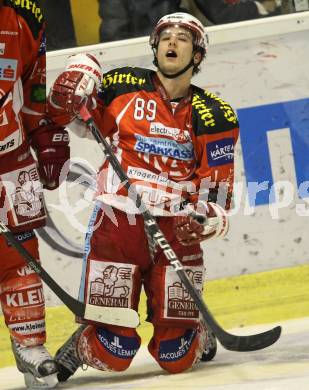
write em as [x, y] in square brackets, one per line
[112, 315]
[252, 342]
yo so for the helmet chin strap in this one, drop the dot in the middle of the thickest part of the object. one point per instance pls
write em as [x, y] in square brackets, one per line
[172, 76]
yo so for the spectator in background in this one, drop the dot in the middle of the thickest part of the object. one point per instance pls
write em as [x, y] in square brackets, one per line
[59, 24]
[123, 19]
[228, 11]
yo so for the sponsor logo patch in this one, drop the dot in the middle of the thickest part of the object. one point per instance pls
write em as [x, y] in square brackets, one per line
[111, 284]
[25, 298]
[27, 328]
[177, 134]
[38, 93]
[204, 111]
[220, 152]
[8, 145]
[227, 110]
[172, 350]
[120, 346]
[5, 32]
[25, 236]
[11, 142]
[150, 177]
[164, 147]
[8, 68]
[121, 78]
[25, 194]
[178, 302]
[24, 271]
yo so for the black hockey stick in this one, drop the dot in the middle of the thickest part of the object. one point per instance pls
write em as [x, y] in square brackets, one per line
[108, 315]
[228, 341]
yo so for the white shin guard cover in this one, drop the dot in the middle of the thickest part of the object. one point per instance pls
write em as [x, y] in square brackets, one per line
[171, 302]
[112, 284]
[24, 206]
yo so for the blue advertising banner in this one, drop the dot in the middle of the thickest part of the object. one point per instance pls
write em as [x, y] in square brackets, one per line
[255, 123]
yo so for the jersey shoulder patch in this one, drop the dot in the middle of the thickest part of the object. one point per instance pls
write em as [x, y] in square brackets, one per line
[31, 12]
[125, 80]
[211, 114]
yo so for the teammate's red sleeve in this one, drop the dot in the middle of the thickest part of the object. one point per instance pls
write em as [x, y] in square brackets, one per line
[34, 78]
[50, 141]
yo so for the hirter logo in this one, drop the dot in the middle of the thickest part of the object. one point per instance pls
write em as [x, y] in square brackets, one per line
[8, 69]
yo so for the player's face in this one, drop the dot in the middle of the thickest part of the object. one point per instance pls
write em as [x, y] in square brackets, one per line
[175, 49]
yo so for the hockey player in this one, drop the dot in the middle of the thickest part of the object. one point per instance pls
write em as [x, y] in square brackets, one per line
[23, 122]
[175, 142]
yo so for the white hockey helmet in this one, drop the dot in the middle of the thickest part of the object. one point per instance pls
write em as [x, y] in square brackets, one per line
[186, 21]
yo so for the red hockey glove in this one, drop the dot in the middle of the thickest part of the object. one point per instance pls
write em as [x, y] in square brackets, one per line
[77, 85]
[203, 221]
[52, 149]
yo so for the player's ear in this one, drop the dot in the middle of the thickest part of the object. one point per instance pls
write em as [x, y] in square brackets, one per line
[197, 58]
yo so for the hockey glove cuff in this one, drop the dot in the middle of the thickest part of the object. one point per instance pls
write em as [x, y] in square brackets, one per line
[203, 220]
[77, 85]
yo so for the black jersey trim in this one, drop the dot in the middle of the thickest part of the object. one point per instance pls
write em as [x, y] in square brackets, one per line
[211, 114]
[31, 11]
[125, 80]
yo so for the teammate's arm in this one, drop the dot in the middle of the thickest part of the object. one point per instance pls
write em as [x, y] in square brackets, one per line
[49, 140]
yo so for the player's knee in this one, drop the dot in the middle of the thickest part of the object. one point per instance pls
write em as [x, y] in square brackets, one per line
[177, 354]
[108, 348]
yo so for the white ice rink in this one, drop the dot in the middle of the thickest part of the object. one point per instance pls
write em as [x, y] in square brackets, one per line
[284, 366]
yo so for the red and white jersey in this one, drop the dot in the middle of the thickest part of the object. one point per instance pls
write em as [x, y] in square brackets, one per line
[22, 73]
[22, 112]
[171, 152]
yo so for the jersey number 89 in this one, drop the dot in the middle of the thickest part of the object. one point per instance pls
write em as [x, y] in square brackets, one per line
[143, 110]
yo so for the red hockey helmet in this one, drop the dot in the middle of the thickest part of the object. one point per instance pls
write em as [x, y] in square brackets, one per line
[186, 21]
